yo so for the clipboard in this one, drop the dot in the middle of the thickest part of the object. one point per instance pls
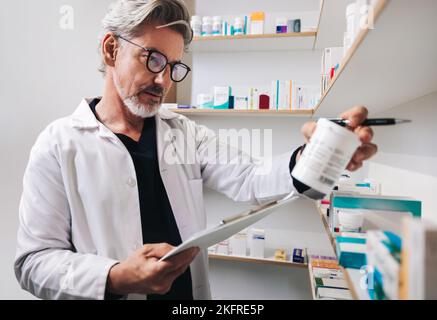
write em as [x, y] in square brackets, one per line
[229, 226]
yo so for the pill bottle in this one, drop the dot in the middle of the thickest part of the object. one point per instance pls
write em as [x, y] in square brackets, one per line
[206, 26]
[257, 22]
[217, 26]
[352, 20]
[196, 25]
[326, 156]
[238, 26]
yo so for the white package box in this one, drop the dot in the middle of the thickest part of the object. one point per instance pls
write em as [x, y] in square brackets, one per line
[335, 294]
[239, 244]
[257, 243]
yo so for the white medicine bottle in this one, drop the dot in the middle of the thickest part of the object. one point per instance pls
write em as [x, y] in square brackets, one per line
[196, 25]
[217, 26]
[238, 26]
[207, 26]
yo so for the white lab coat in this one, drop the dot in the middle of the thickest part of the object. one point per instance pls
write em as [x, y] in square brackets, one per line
[79, 212]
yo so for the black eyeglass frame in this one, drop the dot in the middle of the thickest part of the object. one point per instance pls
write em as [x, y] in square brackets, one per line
[149, 53]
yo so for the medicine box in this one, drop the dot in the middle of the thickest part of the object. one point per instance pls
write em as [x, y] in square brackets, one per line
[239, 244]
[333, 294]
[221, 97]
[388, 204]
[351, 252]
[330, 283]
[280, 255]
[298, 255]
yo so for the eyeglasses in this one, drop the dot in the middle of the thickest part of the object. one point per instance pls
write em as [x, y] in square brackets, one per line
[157, 62]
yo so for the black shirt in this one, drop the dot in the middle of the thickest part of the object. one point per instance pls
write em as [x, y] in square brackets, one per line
[158, 223]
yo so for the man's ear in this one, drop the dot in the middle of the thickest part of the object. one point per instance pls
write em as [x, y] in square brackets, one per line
[110, 49]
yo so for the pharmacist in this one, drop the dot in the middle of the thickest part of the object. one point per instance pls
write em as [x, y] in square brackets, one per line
[103, 199]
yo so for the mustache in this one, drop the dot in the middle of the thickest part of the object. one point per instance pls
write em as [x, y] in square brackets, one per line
[155, 90]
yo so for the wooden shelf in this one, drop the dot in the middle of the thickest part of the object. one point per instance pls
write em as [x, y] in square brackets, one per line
[389, 65]
[327, 229]
[263, 42]
[230, 112]
[268, 261]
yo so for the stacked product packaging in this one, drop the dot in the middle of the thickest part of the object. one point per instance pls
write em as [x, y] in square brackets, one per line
[358, 15]
[331, 61]
[253, 24]
[328, 279]
[282, 95]
[252, 243]
[385, 237]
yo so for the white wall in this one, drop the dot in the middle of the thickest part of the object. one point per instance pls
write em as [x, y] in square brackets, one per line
[406, 164]
[45, 71]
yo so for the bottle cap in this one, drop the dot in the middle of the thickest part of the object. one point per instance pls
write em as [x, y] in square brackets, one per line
[258, 16]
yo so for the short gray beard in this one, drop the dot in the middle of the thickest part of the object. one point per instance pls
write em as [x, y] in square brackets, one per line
[135, 107]
[140, 110]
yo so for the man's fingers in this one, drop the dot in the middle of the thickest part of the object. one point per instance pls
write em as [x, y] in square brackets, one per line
[308, 130]
[365, 152]
[176, 273]
[356, 115]
[185, 256]
[354, 166]
[365, 134]
[180, 260]
[157, 250]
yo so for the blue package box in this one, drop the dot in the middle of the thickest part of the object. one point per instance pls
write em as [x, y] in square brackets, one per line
[351, 252]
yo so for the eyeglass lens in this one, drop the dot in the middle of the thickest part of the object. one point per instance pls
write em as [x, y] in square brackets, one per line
[157, 62]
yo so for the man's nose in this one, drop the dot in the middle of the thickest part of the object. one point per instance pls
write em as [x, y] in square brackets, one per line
[163, 78]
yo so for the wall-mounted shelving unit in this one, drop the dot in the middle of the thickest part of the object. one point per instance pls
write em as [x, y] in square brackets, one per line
[264, 42]
[380, 71]
[389, 65]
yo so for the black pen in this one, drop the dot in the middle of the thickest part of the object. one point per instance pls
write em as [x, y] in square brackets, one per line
[373, 122]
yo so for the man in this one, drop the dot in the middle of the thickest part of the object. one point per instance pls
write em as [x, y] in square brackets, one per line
[102, 202]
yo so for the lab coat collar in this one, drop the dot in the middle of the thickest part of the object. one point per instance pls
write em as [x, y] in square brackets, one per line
[84, 118]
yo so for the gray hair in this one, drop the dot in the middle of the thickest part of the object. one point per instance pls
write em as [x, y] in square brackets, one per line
[126, 18]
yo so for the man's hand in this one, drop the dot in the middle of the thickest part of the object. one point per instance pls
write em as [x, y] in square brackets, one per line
[143, 273]
[367, 149]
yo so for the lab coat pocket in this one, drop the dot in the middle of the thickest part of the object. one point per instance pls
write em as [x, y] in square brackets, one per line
[196, 186]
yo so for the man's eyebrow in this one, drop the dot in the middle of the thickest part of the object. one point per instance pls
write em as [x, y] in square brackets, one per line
[155, 49]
